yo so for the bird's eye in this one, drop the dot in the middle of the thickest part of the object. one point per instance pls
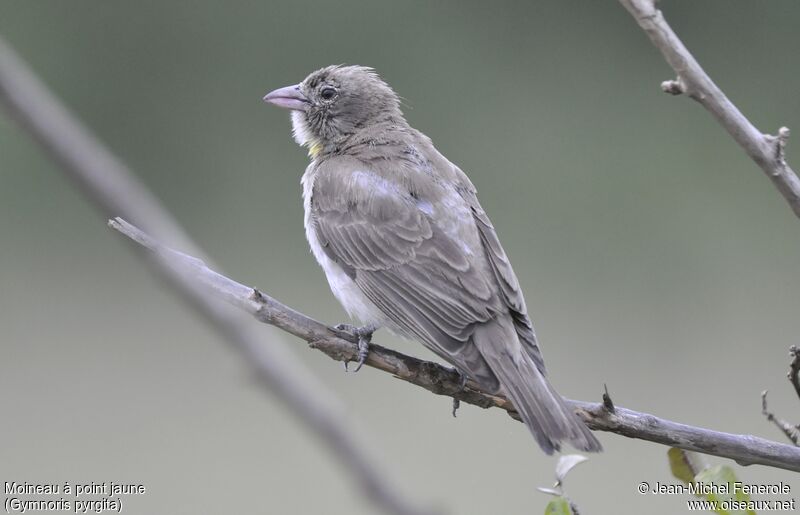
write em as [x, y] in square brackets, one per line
[327, 93]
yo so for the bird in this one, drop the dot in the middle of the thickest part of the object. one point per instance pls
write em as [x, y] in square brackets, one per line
[405, 245]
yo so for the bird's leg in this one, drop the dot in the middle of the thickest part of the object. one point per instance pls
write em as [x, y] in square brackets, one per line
[462, 383]
[364, 335]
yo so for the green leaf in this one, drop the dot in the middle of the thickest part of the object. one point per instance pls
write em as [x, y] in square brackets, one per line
[723, 475]
[558, 506]
[690, 468]
[680, 465]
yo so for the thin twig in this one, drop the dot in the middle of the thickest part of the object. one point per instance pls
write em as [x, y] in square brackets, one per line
[766, 150]
[794, 369]
[342, 346]
[792, 432]
[112, 187]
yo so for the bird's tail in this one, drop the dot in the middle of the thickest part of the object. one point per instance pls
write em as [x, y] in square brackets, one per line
[543, 410]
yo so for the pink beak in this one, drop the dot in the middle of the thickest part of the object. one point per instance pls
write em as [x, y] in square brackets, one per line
[289, 97]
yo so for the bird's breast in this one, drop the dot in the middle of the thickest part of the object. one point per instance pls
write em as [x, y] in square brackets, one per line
[343, 287]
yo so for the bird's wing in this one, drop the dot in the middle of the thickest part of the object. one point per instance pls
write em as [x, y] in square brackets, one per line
[417, 272]
[506, 279]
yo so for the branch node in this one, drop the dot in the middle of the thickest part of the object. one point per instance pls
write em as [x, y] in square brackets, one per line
[256, 296]
[608, 404]
[779, 142]
[673, 86]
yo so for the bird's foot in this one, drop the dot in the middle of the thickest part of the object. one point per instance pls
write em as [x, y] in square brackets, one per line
[364, 335]
[462, 383]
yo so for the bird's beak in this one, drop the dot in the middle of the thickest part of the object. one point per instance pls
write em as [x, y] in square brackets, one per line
[289, 97]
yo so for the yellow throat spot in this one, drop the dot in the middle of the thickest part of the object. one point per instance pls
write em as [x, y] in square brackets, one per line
[314, 149]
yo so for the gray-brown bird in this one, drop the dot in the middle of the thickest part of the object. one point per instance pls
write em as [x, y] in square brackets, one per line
[406, 245]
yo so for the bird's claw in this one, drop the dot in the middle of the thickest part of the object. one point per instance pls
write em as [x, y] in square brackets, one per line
[364, 335]
[363, 350]
[462, 383]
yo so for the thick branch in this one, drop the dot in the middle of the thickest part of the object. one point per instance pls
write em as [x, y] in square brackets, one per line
[113, 188]
[341, 346]
[766, 150]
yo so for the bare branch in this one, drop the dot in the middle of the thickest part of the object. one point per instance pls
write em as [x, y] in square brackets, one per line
[112, 187]
[766, 150]
[791, 432]
[109, 184]
[342, 346]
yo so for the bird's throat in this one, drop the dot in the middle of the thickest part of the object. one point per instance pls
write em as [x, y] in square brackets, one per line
[314, 148]
[303, 135]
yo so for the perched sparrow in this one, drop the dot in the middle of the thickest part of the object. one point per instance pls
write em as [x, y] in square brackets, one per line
[406, 245]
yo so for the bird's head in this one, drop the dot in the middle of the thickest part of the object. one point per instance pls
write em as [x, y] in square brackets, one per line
[334, 103]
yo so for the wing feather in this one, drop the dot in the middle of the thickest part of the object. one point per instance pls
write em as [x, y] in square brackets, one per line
[507, 280]
[414, 271]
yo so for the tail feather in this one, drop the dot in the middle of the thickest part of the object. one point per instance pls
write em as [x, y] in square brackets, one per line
[543, 410]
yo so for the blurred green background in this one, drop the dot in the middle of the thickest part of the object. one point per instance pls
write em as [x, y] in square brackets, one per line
[655, 256]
